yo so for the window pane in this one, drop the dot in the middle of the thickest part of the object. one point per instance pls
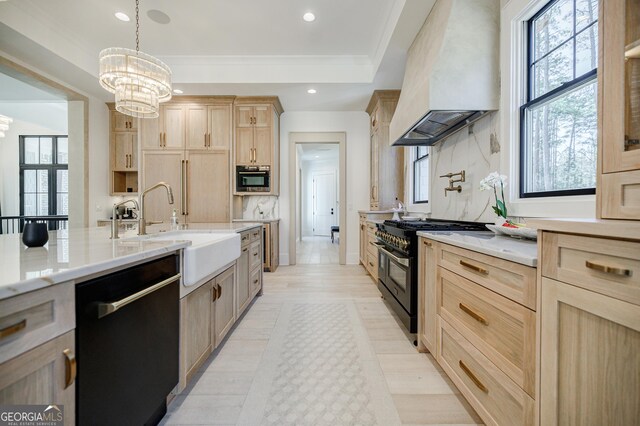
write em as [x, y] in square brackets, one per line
[43, 181]
[63, 151]
[421, 180]
[29, 181]
[31, 152]
[560, 148]
[62, 204]
[586, 13]
[554, 70]
[30, 204]
[62, 181]
[46, 151]
[43, 205]
[587, 50]
[552, 28]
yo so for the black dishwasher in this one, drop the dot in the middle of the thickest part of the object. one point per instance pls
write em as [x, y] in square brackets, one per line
[127, 344]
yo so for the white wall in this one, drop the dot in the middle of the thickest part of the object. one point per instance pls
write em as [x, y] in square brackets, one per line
[356, 126]
[309, 167]
[29, 118]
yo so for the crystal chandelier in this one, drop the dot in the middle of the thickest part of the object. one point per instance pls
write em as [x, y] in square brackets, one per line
[4, 124]
[139, 81]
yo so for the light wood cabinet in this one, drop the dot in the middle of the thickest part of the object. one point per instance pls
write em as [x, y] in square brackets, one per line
[589, 330]
[371, 251]
[123, 153]
[427, 291]
[271, 245]
[225, 309]
[44, 375]
[243, 287]
[485, 323]
[257, 136]
[387, 163]
[208, 127]
[198, 166]
[207, 186]
[363, 238]
[196, 330]
[619, 110]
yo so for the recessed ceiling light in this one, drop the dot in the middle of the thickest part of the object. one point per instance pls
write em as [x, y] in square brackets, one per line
[122, 16]
[312, 91]
[178, 91]
[309, 17]
[317, 156]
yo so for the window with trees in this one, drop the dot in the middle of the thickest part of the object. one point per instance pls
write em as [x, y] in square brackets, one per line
[421, 175]
[44, 175]
[558, 143]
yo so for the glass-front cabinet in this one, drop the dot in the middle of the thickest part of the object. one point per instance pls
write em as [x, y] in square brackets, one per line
[619, 192]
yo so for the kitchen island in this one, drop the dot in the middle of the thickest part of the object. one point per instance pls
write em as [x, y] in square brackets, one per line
[46, 324]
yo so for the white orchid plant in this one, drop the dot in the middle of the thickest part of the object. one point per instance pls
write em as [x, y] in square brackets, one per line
[492, 182]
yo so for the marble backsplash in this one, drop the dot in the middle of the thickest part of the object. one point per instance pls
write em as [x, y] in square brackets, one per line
[475, 149]
[252, 205]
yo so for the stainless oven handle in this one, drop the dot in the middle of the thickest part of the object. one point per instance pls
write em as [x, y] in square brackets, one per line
[251, 173]
[400, 260]
[105, 309]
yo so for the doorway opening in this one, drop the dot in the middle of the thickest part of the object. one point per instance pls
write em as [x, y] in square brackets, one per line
[319, 240]
[317, 167]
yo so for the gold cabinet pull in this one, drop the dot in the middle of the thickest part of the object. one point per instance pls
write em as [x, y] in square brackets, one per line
[255, 254]
[427, 243]
[71, 369]
[186, 187]
[608, 269]
[245, 249]
[473, 377]
[473, 314]
[13, 329]
[107, 308]
[371, 264]
[255, 281]
[474, 267]
[219, 291]
[215, 294]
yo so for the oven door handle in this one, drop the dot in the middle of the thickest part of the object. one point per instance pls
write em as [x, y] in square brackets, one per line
[403, 261]
[252, 173]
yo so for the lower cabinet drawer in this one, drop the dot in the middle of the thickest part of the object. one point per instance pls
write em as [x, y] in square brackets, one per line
[254, 281]
[372, 265]
[255, 258]
[500, 328]
[255, 234]
[496, 398]
[244, 238]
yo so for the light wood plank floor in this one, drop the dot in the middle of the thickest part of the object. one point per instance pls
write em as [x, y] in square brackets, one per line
[420, 391]
[318, 251]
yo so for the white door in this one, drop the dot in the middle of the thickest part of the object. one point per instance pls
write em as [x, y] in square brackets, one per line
[325, 212]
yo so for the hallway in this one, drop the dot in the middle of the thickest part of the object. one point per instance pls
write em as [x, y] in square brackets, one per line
[319, 348]
[316, 250]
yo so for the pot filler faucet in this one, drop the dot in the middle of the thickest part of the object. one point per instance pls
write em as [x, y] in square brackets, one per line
[452, 181]
[142, 223]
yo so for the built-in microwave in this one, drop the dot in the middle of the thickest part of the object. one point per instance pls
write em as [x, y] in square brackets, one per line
[253, 178]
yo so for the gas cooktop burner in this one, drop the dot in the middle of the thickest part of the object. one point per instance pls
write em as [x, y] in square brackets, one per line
[435, 225]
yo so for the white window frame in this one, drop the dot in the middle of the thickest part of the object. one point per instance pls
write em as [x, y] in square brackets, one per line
[410, 157]
[513, 66]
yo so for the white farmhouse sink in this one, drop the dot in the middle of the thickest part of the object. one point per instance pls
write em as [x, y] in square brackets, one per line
[207, 253]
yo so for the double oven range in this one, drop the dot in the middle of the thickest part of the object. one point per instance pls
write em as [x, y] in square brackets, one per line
[397, 243]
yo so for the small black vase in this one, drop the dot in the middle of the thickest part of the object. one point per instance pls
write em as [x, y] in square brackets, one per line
[35, 234]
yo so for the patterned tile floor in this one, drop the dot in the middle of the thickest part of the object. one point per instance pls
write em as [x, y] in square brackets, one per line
[319, 347]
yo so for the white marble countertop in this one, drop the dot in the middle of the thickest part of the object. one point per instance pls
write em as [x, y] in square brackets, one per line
[256, 220]
[515, 250]
[77, 253]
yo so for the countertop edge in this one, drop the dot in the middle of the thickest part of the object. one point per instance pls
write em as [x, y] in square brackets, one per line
[623, 229]
[512, 257]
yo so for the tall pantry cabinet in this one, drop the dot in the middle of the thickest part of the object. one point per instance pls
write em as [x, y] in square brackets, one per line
[387, 162]
[189, 147]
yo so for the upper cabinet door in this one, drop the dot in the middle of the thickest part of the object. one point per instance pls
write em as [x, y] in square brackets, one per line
[244, 146]
[620, 72]
[220, 126]
[121, 150]
[150, 136]
[197, 129]
[244, 116]
[262, 116]
[263, 146]
[172, 118]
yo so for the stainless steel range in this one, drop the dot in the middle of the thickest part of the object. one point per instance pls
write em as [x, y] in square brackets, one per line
[398, 262]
